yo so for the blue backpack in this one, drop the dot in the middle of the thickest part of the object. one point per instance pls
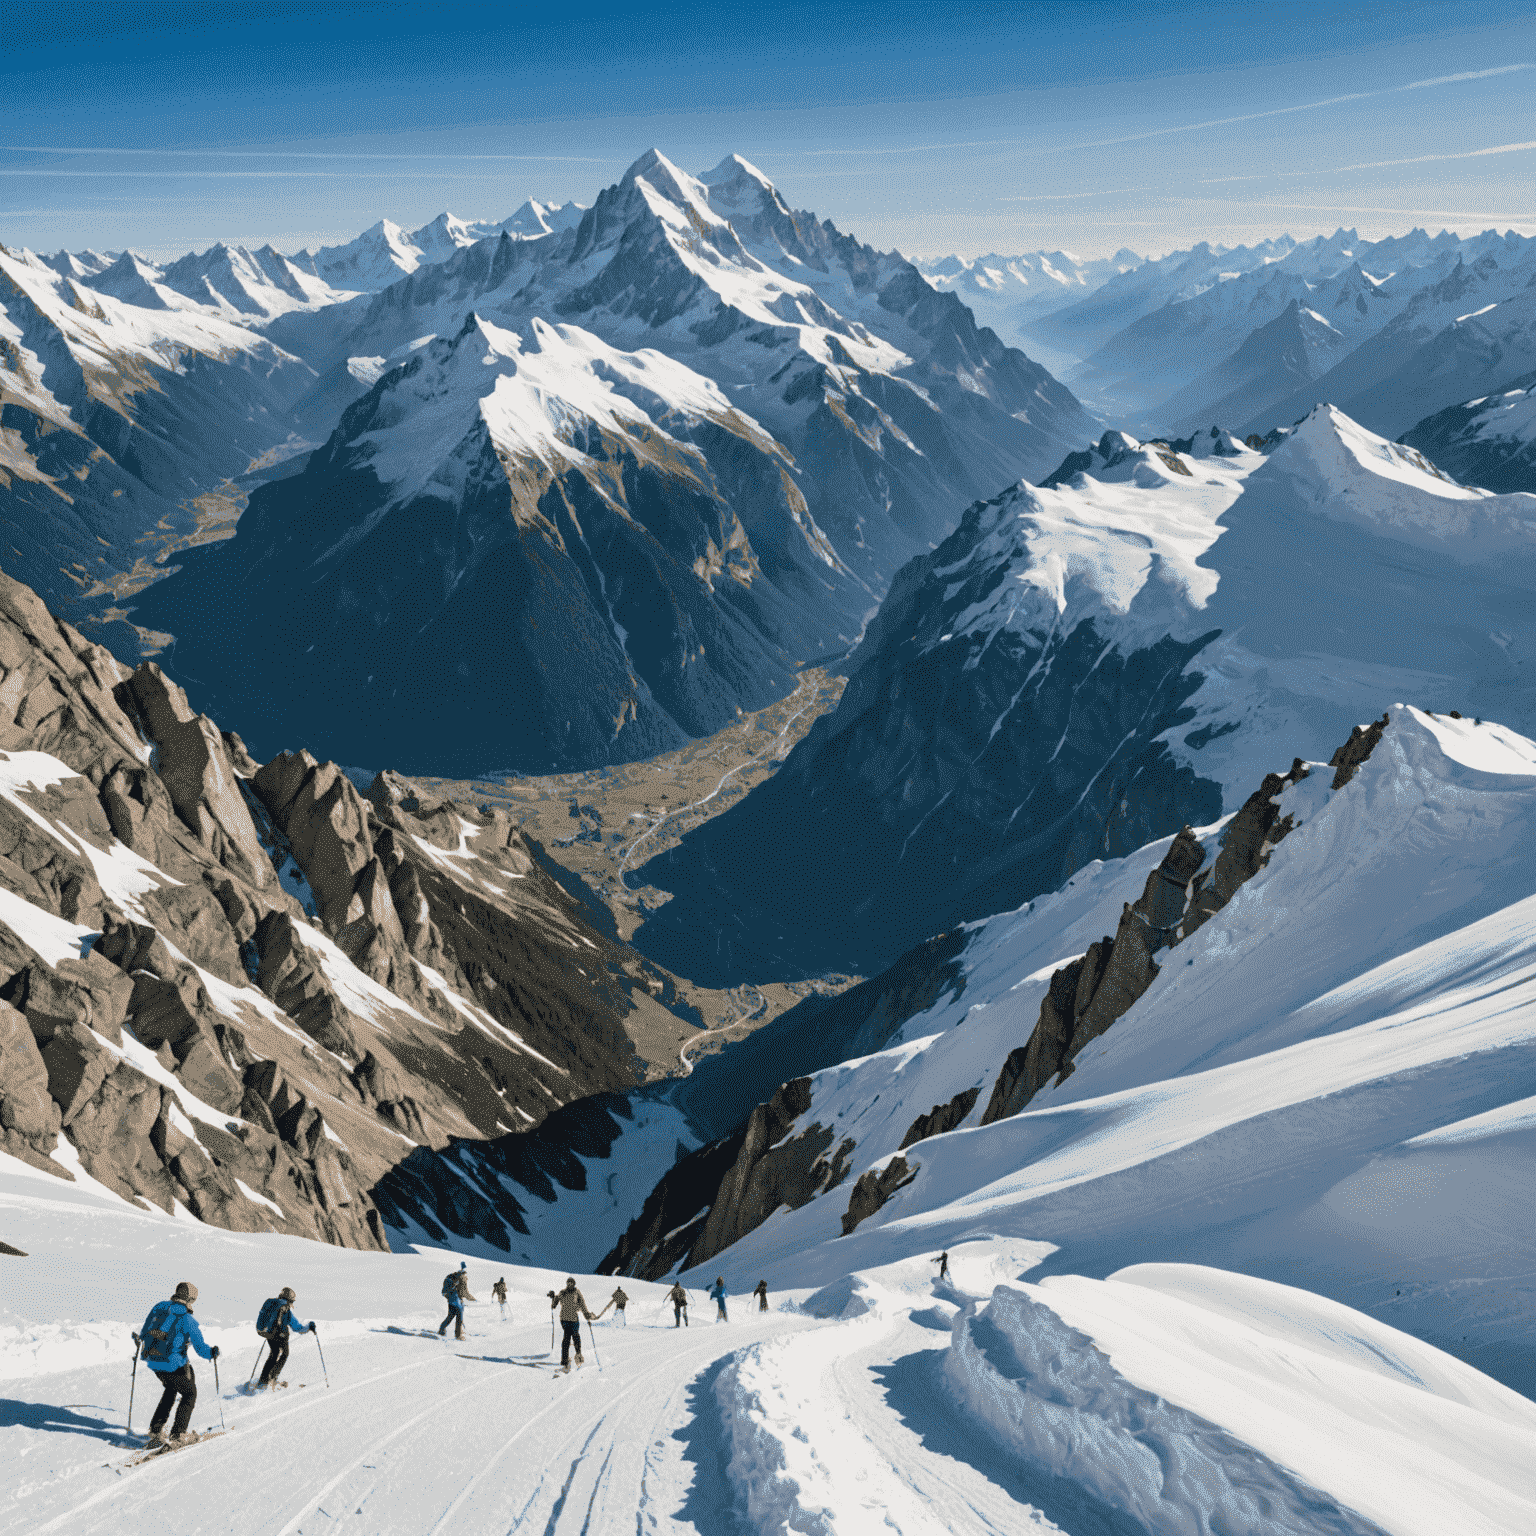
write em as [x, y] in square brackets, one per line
[159, 1334]
[273, 1314]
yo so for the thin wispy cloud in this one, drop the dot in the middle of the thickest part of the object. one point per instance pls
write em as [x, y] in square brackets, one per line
[1213, 122]
[1464, 154]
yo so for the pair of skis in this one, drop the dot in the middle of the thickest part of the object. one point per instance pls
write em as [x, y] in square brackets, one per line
[155, 1452]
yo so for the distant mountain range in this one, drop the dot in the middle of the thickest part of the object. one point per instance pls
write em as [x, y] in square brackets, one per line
[592, 481]
[1250, 339]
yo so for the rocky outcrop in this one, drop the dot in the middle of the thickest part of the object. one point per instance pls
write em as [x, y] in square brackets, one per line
[194, 764]
[1362, 742]
[941, 1118]
[1086, 997]
[171, 1017]
[772, 1169]
[875, 1186]
[719, 1193]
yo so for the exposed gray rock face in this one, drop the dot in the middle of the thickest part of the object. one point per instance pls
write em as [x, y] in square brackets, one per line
[874, 1189]
[29, 1118]
[195, 765]
[722, 1191]
[941, 1118]
[772, 1169]
[735, 1091]
[207, 1041]
[1087, 996]
[1362, 742]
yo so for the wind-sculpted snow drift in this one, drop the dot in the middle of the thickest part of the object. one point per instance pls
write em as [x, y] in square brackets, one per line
[1087, 665]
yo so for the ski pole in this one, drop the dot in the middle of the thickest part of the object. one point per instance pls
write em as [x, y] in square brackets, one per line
[217, 1392]
[133, 1381]
[321, 1348]
[592, 1334]
[252, 1377]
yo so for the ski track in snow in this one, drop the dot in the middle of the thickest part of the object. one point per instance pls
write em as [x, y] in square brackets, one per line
[863, 1407]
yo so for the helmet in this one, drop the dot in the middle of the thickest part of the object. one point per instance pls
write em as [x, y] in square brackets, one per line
[286, 1294]
[569, 1280]
[185, 1291]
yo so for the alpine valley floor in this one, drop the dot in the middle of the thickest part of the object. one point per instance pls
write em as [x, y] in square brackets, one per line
[1166, 1399]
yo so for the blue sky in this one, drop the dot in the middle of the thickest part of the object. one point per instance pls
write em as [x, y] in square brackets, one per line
[931, 127]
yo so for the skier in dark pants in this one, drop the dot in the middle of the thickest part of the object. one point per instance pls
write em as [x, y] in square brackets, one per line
[168, 1331]
[762, 1295]
[573, 1307]
[679, 1299]
[943, 1262]
[272, 1323]
[455, 1293]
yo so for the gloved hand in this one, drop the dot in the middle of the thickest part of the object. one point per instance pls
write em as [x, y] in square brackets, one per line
[214, 1353]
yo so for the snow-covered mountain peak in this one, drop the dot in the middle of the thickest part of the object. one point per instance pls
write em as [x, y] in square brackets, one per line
[540, 393]
[668, 181]
[737, 168]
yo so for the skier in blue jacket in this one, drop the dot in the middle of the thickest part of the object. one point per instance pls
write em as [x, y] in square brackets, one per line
[167, 1332]
[272, 1323]
[717, 1295]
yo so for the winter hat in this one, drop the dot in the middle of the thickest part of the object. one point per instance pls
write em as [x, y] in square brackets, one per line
[185, 1291]
[286, 1294]
[569, 1282]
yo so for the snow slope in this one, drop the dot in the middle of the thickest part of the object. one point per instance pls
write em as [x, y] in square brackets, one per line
[1327, 1084]
[1165, 1399]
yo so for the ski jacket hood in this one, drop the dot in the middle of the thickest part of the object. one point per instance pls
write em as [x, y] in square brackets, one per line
[167, 1332]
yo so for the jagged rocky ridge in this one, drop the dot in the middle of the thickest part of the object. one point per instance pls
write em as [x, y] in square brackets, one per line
[250, 992]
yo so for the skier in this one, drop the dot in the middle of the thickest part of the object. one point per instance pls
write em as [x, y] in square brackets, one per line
[573, 1307]
[717, 1295]
[499, 1291]
[455, 1293]
[168, 1330]
[943, 1262]
[618, 1301]
[762, 1295]
[272, 1323]
[679, 1299]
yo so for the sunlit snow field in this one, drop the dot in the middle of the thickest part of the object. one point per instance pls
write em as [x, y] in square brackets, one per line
[1165, 1399]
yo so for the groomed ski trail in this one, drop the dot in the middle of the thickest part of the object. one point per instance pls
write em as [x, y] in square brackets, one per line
[437, 1443]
